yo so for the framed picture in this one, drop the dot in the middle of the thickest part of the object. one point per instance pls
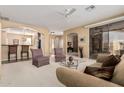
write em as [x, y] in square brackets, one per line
[15, 41]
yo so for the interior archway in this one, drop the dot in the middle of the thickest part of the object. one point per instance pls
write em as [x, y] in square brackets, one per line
[72, 44]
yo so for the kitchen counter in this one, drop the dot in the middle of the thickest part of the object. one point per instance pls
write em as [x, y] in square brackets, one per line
[17, 45]
[4, 52]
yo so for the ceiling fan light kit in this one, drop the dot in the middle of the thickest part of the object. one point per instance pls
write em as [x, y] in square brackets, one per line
[90, 8]
[67, 12]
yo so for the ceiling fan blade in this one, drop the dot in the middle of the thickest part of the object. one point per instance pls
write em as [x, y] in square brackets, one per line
[71, 12]
[67, 12]
[61, 13]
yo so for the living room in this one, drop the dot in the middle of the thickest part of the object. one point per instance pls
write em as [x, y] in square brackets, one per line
[61, 44]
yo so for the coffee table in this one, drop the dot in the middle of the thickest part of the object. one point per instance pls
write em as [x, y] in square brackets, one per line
[67, 63]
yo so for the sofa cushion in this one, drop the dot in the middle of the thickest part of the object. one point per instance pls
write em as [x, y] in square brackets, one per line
[103, 73]
[118, 75]
[101, 57]
[111, 61]
[96, 65]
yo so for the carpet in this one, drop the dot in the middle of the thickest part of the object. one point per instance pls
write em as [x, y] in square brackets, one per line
[24, 74]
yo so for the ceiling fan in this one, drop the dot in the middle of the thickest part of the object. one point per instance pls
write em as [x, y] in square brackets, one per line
[67, 12]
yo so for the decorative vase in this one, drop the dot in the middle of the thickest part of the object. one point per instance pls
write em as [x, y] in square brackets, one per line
[70, 58]
[70, 61]
[81, 52]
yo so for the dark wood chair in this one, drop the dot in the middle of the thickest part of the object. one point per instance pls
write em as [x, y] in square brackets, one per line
[25, 50]
[12, 49]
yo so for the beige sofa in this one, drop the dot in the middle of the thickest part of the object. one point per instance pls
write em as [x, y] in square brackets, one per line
[74, 78]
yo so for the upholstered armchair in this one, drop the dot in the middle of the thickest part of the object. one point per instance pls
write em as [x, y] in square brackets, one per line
[59, 55]
[38, 59]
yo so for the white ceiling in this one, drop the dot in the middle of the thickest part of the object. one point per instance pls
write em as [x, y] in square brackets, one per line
[47, 16]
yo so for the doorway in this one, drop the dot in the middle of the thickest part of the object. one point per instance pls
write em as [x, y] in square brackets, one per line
[72, 44]
[56, 41]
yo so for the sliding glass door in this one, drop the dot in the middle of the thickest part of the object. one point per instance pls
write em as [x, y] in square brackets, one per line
[116, 42]
[107, 39]
[99, 40]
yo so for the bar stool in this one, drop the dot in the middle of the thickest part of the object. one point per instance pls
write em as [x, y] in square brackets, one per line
[25, 50]
[12, 50]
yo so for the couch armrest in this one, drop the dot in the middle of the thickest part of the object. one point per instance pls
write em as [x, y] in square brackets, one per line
[74, 78]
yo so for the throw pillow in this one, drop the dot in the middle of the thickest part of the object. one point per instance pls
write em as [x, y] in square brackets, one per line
[111, 61]
[105, 73]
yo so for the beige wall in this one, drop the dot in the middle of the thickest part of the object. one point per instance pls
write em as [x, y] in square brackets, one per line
[82, 33]
[0, 49]
[0, 43]
[42, 30]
